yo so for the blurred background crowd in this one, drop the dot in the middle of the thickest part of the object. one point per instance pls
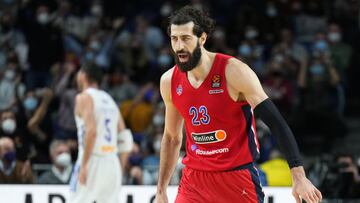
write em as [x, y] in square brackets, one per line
[305, 52]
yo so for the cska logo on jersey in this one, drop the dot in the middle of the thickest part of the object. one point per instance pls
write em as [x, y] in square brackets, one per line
[179, 90]
[216, 81]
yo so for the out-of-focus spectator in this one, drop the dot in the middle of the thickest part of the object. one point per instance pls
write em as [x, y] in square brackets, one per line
[290, 47]
[279, 88]
[121, 87]
[11, 170]
[12, 39]
[45, 46]
[349, 179]
[34, 112]
[309, 20]
[11, 87]
[319, 99]
[61, 168]
[138, 112]
[65, 90]
[251, 51]
[11, 127]
[340, 52]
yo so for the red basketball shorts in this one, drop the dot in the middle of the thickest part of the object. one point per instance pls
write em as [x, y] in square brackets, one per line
[235, 186]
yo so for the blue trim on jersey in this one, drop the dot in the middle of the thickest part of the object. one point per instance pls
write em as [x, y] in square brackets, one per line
[74, 178]
[256, 180]
[250, 133]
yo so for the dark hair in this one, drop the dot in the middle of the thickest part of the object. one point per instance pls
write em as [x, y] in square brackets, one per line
[201, 19]
[92, 72]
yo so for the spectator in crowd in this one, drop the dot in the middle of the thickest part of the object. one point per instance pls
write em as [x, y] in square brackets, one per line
[279, 88]
[349, 178]
[65, 91]
[340, 52]
[319, 99]
[121, 87]
[12, 170]
[33, 110]
[61, 168]
[40, 28]
[12, 128]
[11, 87]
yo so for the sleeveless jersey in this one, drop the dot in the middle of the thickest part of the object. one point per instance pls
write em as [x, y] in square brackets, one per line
[106, 115]
[220, 133]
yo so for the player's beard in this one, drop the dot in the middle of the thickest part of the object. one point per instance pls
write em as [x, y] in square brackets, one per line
[193, 59]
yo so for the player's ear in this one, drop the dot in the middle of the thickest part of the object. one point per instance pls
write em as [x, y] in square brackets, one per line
[202, 39]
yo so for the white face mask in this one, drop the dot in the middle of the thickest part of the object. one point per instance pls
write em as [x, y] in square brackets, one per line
[43, 18]
[251, 34]
[63, 159]
[334, 37]
[158, 120]
[8, 125]
[9, 74]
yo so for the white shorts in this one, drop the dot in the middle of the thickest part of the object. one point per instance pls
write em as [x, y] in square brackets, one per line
[102, 183]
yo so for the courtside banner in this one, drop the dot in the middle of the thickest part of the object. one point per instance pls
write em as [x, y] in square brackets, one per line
[128, 194]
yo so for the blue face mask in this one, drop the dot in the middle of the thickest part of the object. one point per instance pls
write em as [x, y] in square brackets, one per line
[164, 60]
[317, 69]
[245, 50]
[30, 103]
[321, 45]
[10, 156]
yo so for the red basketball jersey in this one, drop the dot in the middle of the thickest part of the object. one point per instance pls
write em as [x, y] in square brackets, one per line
[220, 133]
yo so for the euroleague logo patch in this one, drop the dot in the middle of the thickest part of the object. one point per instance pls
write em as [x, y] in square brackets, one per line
[179, 90]
[216, 81]
[209, 137]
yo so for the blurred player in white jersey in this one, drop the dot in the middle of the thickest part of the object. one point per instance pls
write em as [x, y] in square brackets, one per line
[101, 136]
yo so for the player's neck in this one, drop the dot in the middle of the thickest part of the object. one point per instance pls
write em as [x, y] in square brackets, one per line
[200, 72]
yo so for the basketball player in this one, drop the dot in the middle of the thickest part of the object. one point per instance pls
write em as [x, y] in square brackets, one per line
[216, 94]
[97, 174]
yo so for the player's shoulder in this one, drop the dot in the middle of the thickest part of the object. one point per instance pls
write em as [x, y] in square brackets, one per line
[235, 64]
[166, 77]
[165, 83]
[82, 98]
[237, 69]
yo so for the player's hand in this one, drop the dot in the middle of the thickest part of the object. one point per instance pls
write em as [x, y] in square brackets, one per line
[304, 189]
[83, 175]
[161, 198]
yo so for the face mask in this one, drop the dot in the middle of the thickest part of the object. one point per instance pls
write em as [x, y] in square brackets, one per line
[157, 145]
[10, 156]
[30, 103]
[63, 159]
[9, 75]
[165, 10]
[8, 125]
[245, 50]
[321, 45]
[271, 11]
[43, 18]
[96, 10]
[317, 69]
[164, 60]
[334, 36]
[251, 34]
[158, 120]
[95, 45]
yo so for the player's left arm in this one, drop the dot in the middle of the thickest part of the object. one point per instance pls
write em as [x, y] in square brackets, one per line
[85, 109]
[244, 82]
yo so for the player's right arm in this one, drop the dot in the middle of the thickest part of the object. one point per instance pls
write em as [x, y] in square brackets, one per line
[84, 108]
[171, 141]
